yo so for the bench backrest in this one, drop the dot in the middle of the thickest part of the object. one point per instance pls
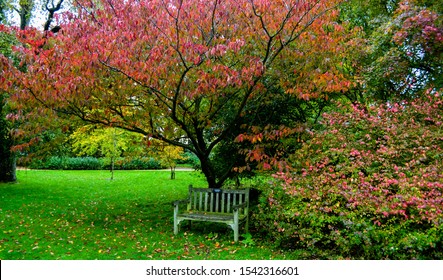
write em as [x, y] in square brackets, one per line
[217, 200]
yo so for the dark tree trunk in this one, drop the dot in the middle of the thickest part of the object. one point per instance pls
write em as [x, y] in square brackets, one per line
[7, 157]
[7, 167]
[210, 174]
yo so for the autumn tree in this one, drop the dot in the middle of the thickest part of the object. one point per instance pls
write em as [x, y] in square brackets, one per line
[7, 158]
[167, 154]
[108, 142]
[9, 63]
[191, 67]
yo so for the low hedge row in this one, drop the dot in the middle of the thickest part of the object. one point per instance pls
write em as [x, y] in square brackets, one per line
[92, 163]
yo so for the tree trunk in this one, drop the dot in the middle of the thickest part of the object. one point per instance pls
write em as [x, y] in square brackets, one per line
[7, 164]
[112, 168]
[211, 176]
[172, 172]
[7, 157]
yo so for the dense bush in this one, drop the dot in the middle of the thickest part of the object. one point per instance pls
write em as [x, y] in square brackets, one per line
[136, 164]
[91, 163]
[369, 185]
[67, 163]
[294, 223]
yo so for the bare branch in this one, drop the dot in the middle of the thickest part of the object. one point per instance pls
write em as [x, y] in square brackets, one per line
[51, 12]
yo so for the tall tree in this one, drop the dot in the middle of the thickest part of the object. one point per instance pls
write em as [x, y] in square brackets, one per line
[24, 10]
[7, 156]
[7, 162]
[8, 60]
[182, 72]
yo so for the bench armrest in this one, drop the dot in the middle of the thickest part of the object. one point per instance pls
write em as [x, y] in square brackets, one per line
[239, 206]
[178, 202]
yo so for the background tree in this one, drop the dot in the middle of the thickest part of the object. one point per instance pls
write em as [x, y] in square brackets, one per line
[24, 10]
[10, 63]
[167, 154]
[193, 66]
[7, 156]
[110, 143]
[403, 51]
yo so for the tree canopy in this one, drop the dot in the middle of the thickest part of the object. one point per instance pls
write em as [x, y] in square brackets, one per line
[208, 76]
[179, 71]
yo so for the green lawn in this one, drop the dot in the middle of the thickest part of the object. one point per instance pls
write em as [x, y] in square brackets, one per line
[84, 215]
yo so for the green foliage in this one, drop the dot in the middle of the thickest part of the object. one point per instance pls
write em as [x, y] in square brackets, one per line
[2, 11]
[7, 40]
[260, 132]
[140, 163]
[368, 14]
[92, 163]
[106, 142]
[402, 54]
[247, 239]
[68, 163]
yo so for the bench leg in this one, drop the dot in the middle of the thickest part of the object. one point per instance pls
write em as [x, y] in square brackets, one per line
[236, 233]
[235, 226]
[175, 227]
[176, 222]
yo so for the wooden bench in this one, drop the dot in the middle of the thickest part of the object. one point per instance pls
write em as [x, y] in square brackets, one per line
[226, 206]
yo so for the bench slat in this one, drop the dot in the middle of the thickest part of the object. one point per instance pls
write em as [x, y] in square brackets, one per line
[206, 217]
[235, 199]
[196, 201]
[241, 199]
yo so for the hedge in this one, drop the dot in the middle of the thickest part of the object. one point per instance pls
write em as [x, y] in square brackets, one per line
[92, 163]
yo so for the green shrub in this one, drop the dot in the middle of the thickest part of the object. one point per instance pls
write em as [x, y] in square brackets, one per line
[142, 163]
[67, 163]
[53, 163]
[83, 163]
[92, 163]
